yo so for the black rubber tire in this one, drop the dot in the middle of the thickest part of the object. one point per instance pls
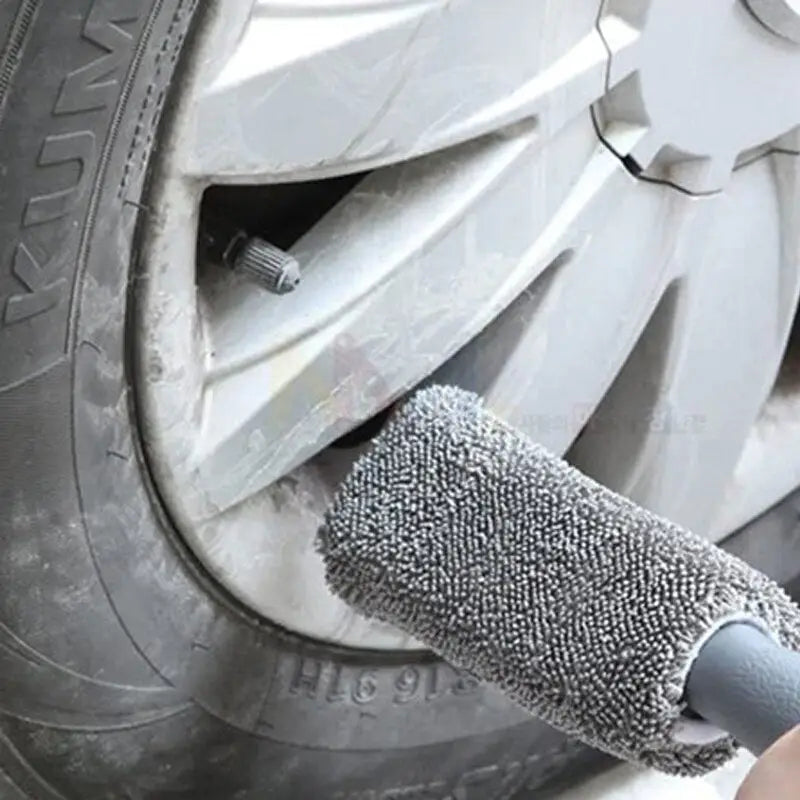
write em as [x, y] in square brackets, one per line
[124, 671]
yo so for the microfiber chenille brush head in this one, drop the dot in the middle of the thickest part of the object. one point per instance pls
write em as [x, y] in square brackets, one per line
[583, 607]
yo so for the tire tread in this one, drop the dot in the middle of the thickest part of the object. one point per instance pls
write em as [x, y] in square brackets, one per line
[19, 28]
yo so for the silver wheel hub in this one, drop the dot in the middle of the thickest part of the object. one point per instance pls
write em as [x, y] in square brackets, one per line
[497, 239]
[705, 84]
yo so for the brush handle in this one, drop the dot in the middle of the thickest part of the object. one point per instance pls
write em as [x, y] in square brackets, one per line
[746, 684]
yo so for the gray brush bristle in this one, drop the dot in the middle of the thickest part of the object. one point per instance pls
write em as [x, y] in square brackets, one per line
[583, 607]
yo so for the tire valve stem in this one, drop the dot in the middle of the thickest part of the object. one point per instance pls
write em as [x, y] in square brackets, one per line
[262, 262]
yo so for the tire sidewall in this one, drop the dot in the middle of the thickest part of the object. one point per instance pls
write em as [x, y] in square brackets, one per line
[191, 632]
[81, 498]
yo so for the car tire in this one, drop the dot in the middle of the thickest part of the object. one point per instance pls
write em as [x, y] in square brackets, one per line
[127, 672]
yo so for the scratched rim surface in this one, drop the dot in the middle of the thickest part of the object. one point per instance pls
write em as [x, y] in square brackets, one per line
[589, 215]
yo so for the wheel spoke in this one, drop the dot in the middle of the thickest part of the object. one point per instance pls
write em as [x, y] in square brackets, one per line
[569, 211]
[769, 466]
[546, 362]
[274, 401]
[672, 427]
[319, 89]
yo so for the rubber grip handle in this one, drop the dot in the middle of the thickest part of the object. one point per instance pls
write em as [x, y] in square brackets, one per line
[746, 684]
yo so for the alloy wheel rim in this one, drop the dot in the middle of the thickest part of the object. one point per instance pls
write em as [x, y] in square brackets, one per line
[528, 222]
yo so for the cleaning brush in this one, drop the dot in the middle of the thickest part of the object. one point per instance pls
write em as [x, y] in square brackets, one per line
[614, 625]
